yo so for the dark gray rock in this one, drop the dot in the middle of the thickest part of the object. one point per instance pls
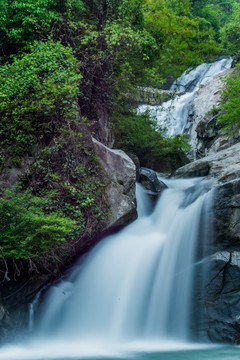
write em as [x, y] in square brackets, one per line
[148, 178]
[227, 215]
[223, 297]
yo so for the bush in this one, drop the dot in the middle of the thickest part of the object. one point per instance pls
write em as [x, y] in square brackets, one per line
[26, 231]
[231, 103]
[37, 95]
[142, 136]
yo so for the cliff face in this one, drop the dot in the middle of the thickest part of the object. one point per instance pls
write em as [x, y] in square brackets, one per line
[204, 130]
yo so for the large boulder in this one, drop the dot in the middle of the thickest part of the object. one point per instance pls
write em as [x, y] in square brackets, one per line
[121, 176]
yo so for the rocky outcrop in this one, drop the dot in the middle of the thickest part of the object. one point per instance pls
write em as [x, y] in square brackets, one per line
[204, 130]
[151, 96]
[223, 287]
[224, 169]
[102, 128]
[121, 174]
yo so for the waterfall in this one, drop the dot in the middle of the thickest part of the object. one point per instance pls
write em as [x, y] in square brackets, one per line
[136, 284]
[134, 287]
[173, 115]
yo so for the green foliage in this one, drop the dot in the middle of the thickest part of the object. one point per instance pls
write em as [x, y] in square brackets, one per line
[230, 33]
[231, 103]
[22, 22]
[68, 175]
[182, 39]
[37, 94]
[26, 231]
[142, 136]
[224, 17]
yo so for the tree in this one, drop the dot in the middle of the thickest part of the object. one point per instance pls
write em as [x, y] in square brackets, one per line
[37, 92]
[182, 39]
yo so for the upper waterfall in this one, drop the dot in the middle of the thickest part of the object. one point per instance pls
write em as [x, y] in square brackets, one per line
[173, 115]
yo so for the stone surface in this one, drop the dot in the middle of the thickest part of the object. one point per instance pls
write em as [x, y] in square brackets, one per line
[151, 96]
[153, 186]
[223, 297]
[223, 289]
[121, 173]
[222, 166]
[204, 130]
[148, 178]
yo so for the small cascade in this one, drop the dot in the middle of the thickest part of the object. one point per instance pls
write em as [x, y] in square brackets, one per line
[173, 115]
[137, 284]
[33, 308]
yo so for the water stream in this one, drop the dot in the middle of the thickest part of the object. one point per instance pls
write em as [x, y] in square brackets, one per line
[132, 295]
[173, 115]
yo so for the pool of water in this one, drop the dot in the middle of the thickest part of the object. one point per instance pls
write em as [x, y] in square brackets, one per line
[131, 351]
[227, 353]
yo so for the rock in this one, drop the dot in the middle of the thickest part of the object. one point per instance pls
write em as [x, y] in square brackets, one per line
[222, 300]
[194, 169]
[223, 288]
[101, 127]
[151, 96]
[149, 179]
[105, 132]
[205, 133]
[136, 161]
[223, 166]
[121, 174]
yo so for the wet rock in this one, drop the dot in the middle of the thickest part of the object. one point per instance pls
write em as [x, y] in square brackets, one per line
[148, 178]
[153, 186]
[222, 300]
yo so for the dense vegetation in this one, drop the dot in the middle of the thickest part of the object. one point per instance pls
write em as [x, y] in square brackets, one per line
[231, 103]
[62, 64]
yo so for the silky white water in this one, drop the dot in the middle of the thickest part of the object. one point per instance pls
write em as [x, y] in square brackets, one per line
[133, 291]
[173, 115]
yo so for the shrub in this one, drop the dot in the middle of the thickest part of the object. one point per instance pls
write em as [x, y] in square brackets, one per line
[141, 135]
[37, 94]
[231, 103]
[26, 231]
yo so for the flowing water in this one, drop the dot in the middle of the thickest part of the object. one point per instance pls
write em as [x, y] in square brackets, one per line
[132, 295]
[173, 115]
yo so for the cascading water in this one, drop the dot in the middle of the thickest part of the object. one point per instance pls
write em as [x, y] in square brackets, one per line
[136, 285]
[173, 114]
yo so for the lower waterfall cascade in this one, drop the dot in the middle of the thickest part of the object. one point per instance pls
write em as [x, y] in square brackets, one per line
[134, 287]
